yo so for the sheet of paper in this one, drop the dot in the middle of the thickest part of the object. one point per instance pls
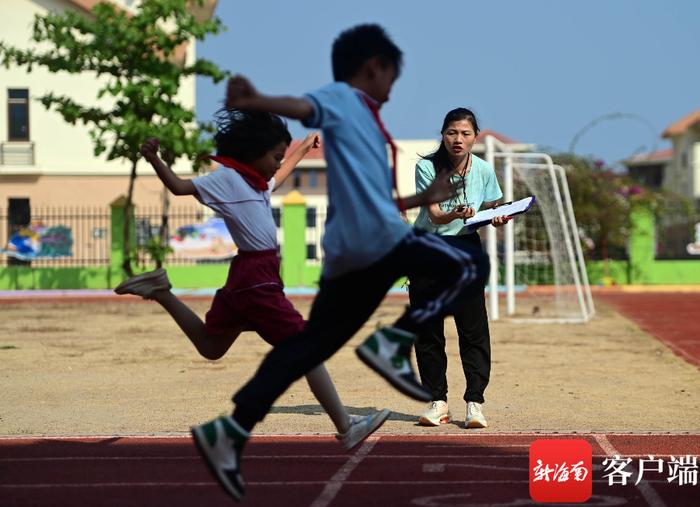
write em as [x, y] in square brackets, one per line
[484, 217]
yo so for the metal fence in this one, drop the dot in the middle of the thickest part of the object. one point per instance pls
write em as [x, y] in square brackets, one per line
[315, 228]
[149, 223]
[79, 236]
[674, 232]
[71, 236]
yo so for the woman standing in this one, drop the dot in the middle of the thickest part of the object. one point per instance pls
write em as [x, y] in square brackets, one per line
[480, 190]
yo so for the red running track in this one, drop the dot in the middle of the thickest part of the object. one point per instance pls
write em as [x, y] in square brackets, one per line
[290, 471]
[673, 318]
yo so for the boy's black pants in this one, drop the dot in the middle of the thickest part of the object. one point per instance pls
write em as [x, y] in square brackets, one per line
[345, 303]
[472, 325]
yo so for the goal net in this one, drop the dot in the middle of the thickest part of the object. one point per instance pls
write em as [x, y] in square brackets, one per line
[539, 258]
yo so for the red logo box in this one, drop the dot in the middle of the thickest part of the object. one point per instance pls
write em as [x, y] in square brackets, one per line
[560, 471]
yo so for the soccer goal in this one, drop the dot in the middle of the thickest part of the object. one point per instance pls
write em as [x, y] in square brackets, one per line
[538, 255]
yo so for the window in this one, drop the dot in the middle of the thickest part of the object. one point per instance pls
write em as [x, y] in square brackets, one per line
[310, 217]
[311, 251]
[313, 178]
[297, 180]
[18, 114]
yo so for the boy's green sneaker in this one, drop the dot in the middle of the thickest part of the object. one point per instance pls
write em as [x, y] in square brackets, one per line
[388, 352]
[220, 443]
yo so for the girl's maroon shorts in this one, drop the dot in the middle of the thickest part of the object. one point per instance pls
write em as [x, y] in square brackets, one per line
[253, 299]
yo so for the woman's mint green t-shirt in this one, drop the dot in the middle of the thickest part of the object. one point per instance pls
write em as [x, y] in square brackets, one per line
[481, 186]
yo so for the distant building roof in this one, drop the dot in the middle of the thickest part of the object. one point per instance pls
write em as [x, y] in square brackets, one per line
[500, 137]
[317, 154]
[682, 125]
[201, 12]
[655, 157]
[85, 4]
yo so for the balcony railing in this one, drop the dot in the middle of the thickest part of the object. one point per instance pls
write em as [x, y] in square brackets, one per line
[17, 153]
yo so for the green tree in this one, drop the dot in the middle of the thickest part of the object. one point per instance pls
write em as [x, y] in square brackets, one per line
[602, 212]
[603, 201]
[135, 60]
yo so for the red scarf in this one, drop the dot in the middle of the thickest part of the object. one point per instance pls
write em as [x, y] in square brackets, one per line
[250, 175]
[374, 109]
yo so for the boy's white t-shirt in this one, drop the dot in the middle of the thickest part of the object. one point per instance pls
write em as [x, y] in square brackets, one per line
[246, 211]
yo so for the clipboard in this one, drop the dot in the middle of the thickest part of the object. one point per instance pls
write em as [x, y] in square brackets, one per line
[508, 209]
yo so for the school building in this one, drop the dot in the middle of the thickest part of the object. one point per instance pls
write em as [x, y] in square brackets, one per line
[50, 175]
[676, 169]
[310, 176]
[43, 158]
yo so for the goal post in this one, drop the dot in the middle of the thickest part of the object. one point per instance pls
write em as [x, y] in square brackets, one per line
[538, 255]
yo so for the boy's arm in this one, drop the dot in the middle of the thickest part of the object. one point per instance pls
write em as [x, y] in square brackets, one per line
[240, 94]
[312, 141]
[441, 189]
[178, 186]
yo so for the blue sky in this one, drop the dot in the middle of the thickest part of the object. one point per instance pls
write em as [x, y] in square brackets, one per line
[538, 71]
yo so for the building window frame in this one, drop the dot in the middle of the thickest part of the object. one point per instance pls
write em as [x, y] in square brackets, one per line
[17, 100]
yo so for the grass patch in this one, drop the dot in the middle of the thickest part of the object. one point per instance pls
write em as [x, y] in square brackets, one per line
[8, 347]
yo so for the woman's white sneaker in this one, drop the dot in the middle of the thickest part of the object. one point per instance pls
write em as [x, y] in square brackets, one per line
[438, 413]
[475, 419]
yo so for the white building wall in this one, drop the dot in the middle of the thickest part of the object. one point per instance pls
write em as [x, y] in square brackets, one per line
[410, 152]
[695, 164]
[677, 175]
[684, 171]
[59, 148]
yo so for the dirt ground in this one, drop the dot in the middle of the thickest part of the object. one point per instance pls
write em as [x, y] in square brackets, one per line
[123, 367]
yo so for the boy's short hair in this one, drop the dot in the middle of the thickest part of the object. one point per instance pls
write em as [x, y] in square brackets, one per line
[248, 135]
[353, 47]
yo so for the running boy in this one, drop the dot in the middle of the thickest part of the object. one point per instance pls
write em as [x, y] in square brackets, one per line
[250, 147]
[367, 245]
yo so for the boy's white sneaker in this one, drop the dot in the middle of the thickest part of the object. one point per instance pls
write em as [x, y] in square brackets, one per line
[475, 419]
[220, 443]
[388, 352]
[362, 427]
[145, 284]
[438, 413]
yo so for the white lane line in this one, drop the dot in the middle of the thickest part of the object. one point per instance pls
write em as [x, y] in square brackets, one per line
[644, 487]
[306, 456]
[459, 446]
[415, 437]
[265, 457]
[180, 484]
[441, 467]
[336, 482]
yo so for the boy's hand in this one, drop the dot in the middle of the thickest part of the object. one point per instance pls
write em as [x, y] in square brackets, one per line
[149, 148]
[240, 93]
[312, 141]
[442, 188]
